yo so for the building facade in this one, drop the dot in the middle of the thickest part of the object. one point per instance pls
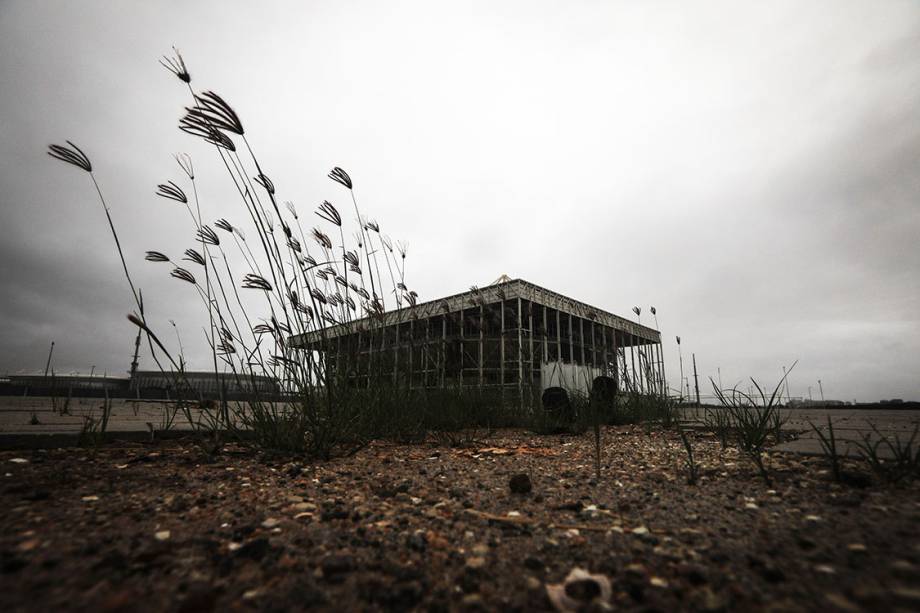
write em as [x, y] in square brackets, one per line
[513, 337]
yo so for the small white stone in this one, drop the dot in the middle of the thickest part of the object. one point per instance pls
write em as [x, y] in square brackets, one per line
[19, 461]
[162, 535]
[640, 530]
[271, 522]
[90, 498]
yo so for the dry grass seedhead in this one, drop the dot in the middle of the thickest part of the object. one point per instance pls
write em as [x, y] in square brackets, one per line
[328, 212]
[254, 281]
[183, 275]
[214, 111]
[176, 65]
[193, 256]
[340, 176]
[208, 236]
[171, 191]
[197, 126]
[184, 161]
[265, 182]
[321, 239]
[156, 256]
[72, 155]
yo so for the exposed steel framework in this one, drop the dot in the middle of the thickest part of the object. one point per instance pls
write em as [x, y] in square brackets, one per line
[513, 336]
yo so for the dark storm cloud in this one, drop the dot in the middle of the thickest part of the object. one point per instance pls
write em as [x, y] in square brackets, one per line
[750, 169]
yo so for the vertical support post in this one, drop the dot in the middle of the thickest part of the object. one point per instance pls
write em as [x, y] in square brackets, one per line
[427, 353]
[411, 374]
[520, 355]
[545, 338]
[482, 327]
[462, 343]
[502, 350]
[442, 370]
[593, 354]
[396, 355]
[604, 361]
[632, 359]
[530, 374]
[616, 361]
[559, 341]
[571, 340]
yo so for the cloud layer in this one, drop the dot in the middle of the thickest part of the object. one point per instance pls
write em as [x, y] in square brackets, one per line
[751, 170]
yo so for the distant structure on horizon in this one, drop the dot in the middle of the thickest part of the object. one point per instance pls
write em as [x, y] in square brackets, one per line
[512, 336]
[145, 383]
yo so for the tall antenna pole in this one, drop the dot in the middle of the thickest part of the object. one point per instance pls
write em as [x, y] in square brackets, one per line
[48, 363]
[786, 378]
[696, 381]
[821, 387]
[137, 344]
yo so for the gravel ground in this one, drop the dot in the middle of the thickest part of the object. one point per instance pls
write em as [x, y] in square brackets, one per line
[490, 525]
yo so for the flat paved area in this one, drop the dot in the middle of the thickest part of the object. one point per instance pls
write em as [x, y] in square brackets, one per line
[16, 418]
[18, 415]
[850, 426]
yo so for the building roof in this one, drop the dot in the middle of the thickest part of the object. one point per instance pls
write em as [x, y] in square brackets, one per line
[507, 290]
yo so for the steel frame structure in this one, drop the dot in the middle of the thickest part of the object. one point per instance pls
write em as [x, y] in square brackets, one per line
[515, 337]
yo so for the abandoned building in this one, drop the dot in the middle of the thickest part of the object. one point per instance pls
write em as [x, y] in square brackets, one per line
[512, 337]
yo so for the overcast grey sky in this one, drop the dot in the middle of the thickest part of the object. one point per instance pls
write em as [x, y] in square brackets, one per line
[751, 169]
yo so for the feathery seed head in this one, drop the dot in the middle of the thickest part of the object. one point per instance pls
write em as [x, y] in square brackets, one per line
[183, 275]
[156, 256]
[73, 155]
[254, 281]
[176, 65]
[340, 176]
[171, 191]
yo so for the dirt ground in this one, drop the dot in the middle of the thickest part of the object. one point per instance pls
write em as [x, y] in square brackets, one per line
[437, 527]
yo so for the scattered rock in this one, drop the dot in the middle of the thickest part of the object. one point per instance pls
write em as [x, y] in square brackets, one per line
[579, 590]
[254, 549]
[841, 603]
[336, 566]
[520, 484]
[270, 523]
[534, 564]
